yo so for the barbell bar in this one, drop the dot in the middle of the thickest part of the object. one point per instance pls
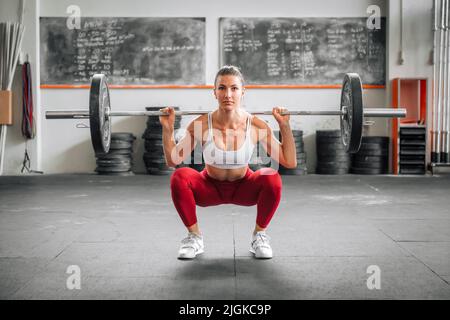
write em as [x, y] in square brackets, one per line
[351, 113]
[81, 114]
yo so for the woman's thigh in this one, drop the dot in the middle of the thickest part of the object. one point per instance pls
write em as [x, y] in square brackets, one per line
[203, 190]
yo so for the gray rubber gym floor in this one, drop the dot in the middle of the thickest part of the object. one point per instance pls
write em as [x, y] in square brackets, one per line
[123, 233]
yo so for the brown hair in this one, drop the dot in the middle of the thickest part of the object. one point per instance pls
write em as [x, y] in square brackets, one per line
[229, 70]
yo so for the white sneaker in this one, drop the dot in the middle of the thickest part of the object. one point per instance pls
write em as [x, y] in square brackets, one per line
[260, 246]
[191, 246]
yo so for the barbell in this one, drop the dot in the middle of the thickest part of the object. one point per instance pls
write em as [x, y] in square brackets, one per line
[351, 113]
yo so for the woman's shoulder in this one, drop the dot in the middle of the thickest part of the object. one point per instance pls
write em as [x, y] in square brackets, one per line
[201, 120]
[259, 123]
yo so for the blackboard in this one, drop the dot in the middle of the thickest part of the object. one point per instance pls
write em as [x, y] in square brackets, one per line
[131, 51]
[304, 51]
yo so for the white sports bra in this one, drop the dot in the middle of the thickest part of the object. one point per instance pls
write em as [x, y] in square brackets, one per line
[228, 159]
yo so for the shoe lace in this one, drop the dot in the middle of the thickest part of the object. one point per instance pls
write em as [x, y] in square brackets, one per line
[261, 240]
[190, 241]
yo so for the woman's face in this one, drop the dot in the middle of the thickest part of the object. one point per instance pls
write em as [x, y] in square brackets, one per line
[229, 92]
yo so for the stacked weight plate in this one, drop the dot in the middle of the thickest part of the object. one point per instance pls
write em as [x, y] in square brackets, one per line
[154, 160]
[331, 155]
[372, 157]
[260, 158]
[412, 150]
[118, 161]
[197, 161]
[301, 155]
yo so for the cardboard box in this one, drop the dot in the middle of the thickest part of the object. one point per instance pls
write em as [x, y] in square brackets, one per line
[5, 107]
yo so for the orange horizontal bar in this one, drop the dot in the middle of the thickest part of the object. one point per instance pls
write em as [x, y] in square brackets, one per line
[252, 86]
[132, 86]
[309, 86]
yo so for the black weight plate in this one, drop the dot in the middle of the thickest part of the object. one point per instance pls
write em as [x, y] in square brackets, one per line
[407, 157]
[375, 165]
[372, 146]
[413, 148]
[292, 172]
[113, 169]
[299, 166]
[152, 154]
[412, 131]
[155, 161]
[320, 170]
[99, 119]
[330, 153]
[154, 121]
[159, 166]
[368, 170]
[375, 139]
[152, 136]
[159, 155]
[412, 170]
[114, 165]
[352, 123]
[412, 152]
[301, 155]
[365, 152]
[109, 163]
[328, 133]
[339, 162]
[122, 174]
[114, 161]
[255, 167]
[152, 131]
[299, 149]
[154, 142]
[321, 140]
[410, 139]
[150, 143]
[123, 136]
[156, 127]
[115, 158]
[334, 164]
[412, 162]
[151, 162]
[156, 152]
[328, 146]
[117, 152]
[117, 144]
[374, 152]
[301, 161]
[157, 172]
[407, 142]
[363, 158]
[333, 157]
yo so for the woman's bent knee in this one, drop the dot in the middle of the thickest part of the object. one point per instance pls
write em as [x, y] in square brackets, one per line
[181, 176]
[270, 177]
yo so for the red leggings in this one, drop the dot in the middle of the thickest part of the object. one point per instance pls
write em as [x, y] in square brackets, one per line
[190, 188]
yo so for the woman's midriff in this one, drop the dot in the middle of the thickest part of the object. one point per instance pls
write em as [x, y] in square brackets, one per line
[226, 174]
